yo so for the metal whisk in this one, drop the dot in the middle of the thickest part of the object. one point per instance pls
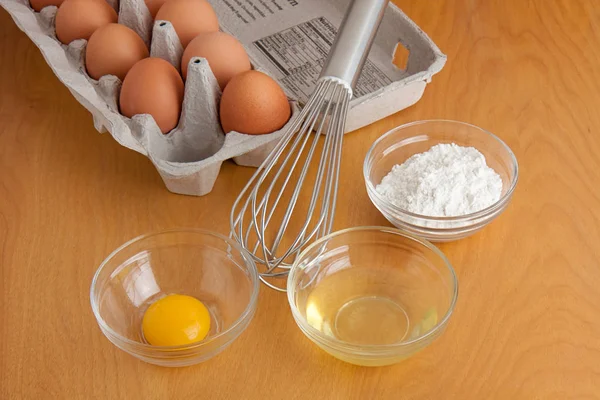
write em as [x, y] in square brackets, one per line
[263, 212]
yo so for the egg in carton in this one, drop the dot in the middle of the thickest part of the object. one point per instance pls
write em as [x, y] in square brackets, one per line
[189, 157]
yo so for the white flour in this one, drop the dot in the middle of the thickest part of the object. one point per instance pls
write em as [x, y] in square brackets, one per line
[446, 181]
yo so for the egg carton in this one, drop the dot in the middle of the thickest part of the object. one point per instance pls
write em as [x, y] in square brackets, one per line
[189, 157]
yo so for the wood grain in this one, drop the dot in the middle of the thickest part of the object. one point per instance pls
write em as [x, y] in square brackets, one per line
[527, 322]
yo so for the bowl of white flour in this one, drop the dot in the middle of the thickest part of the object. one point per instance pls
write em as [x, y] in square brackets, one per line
[442, 180]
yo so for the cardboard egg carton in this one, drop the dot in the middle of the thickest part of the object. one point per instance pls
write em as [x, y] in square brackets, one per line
[287, 39]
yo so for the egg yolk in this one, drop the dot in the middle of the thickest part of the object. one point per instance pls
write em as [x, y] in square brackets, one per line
[176, 320]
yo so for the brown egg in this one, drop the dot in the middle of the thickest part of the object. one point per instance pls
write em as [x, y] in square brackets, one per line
[37, 5]
[225, 54]
[78, 19]
[253, 103]
[189, 18]
[112, 50]
[153, 86]
[154, 6]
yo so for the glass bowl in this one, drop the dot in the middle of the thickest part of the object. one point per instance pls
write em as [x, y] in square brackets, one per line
[198, 263]
[372, 296]
[399, 144]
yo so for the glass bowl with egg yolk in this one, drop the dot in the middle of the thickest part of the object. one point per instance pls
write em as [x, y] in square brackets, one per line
[175, 298]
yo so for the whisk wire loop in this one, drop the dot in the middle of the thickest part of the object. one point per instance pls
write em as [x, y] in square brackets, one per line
[255, 209]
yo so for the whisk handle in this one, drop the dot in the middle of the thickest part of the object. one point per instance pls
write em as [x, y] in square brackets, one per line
[353, 41]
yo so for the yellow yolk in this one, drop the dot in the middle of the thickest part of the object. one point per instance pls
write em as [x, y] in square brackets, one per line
[176, 320]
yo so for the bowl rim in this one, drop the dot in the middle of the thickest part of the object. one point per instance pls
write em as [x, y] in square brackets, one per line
[248, 311]
[459, 218]
[370, 349]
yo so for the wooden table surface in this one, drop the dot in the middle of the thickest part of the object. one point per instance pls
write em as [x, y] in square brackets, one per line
[527, 322]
